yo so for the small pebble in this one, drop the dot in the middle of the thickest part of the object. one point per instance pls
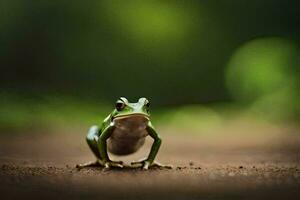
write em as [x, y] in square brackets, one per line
[191, 163]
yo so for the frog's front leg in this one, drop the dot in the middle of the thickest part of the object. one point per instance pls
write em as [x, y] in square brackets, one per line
[102, 146]
[149, 161]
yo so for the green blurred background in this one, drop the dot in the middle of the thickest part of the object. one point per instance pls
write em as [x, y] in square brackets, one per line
[200, 63]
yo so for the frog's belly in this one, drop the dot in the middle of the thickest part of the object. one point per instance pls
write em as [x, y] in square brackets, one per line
[128, 136]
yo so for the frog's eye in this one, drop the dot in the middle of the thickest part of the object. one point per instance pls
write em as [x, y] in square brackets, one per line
[147, 104]
[120, 105]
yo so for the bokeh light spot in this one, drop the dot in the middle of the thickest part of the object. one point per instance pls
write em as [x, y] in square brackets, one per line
[152, 25]
[260, 67]
[262, 74]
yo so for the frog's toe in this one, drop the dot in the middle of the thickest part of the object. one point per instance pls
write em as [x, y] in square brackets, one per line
[146, 166]
[159, 165]
[117, 165]
[88, 164]
[110, 164]
[106, 166]
[141, 164]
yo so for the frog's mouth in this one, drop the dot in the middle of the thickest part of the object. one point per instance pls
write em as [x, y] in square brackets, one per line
[132, 115]
[132, 121]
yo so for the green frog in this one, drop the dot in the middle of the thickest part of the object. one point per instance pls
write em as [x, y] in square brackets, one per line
[123, 132]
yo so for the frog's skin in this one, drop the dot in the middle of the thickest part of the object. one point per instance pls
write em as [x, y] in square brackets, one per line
[123, 132]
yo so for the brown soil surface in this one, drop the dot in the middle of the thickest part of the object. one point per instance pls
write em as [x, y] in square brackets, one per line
[264, 165]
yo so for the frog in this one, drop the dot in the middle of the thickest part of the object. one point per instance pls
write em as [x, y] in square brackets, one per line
[123, 132]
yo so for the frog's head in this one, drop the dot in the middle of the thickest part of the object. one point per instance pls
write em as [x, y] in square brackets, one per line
[125, 109]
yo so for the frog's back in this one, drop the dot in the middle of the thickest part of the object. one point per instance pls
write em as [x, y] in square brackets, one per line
[128, 136]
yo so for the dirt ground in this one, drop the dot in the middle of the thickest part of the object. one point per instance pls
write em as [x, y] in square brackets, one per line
[229, 165]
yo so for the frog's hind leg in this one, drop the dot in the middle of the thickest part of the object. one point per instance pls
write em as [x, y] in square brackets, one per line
[92, 140]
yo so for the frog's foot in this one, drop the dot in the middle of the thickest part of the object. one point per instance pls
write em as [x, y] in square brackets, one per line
[89, 164]
[146, 165]
[162, 166]
[113, 164]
